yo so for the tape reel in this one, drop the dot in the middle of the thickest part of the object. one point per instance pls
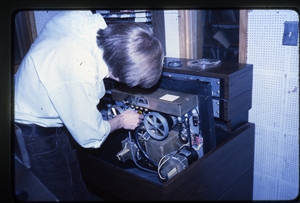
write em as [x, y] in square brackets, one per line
[203, 63]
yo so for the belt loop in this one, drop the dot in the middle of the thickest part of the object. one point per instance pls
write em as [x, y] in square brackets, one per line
[34, 129]
[59, 130]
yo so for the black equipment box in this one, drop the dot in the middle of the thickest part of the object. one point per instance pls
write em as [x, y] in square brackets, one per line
[231, 88]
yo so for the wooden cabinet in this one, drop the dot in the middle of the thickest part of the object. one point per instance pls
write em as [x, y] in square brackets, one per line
[123, 16]
[231, 89]
[225, 173]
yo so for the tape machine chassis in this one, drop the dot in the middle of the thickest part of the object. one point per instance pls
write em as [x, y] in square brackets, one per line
[169, 139]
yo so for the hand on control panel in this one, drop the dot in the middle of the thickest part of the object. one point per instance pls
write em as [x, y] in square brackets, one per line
[128, 120]
[131, 119]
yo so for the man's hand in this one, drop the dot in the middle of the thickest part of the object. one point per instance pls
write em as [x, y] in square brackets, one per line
[131, 119]
[128, 120]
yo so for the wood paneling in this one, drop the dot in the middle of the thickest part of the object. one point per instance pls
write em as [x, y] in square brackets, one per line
[31, 25]
[235, 78]
[25, 31]
[243, 36]
[189, 25]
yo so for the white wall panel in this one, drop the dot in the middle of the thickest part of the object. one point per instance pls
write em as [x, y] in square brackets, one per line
[171, 33]
[275, 105]
[267, 188]
[291, 116]
[267, 100]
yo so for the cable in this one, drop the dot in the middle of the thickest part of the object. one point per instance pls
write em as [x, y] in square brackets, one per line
[133, 156]
[141, 149]
[160, 164]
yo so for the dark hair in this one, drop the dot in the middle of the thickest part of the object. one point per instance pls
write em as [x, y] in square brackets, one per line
[132, 53]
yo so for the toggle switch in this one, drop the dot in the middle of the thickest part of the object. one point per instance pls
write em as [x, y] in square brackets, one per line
[290, 35]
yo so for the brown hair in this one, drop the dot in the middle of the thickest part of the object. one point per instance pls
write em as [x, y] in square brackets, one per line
[132, 52]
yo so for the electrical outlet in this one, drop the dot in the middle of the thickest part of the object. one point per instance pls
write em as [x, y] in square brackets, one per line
[290, 35]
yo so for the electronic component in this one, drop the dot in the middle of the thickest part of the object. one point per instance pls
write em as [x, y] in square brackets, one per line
[169, 138]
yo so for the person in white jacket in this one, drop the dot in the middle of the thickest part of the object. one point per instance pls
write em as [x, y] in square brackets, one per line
[60, 82]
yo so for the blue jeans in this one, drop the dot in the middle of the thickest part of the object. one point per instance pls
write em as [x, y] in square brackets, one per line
[55, 164]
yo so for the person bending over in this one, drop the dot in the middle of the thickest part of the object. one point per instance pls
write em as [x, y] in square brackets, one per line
[60, 83]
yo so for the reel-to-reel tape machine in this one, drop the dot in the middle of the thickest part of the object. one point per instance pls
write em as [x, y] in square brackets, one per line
[169, 139]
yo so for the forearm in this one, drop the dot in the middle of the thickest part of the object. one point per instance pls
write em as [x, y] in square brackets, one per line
[115, 123]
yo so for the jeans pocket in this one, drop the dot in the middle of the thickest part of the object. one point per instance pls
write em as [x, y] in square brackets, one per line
[48, 159]
[43, 145]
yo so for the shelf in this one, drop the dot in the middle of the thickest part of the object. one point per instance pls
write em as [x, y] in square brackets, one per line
[221, 34]
[121, 16]
[221, 16]
[220, 23]
[218, 44]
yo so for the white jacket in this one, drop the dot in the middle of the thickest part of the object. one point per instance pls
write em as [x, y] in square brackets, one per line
[60, 80]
